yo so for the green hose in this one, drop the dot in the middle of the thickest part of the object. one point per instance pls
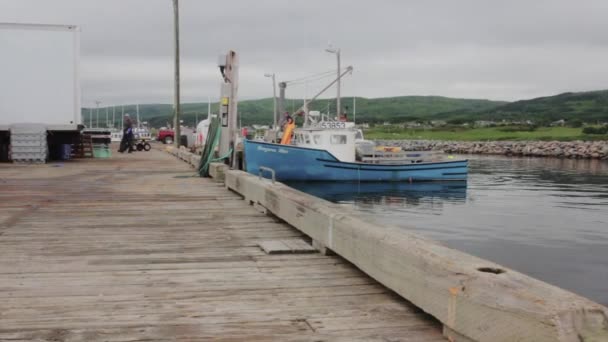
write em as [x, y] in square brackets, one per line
[206, 166]
[210, 144]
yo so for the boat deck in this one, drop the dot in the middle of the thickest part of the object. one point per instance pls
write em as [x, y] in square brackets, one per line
[135, 248]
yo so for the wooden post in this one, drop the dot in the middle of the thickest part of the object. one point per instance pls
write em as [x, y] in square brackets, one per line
[176, 98]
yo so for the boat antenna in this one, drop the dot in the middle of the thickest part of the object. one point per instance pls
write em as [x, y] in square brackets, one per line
[348, 70]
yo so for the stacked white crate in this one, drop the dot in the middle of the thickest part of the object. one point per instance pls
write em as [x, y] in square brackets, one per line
[28, 143]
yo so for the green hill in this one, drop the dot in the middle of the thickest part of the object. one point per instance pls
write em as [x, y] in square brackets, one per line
[391, 109]
[587, 107]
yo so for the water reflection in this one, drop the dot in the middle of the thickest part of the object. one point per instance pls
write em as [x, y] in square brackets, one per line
[384, 193]
[544, 217]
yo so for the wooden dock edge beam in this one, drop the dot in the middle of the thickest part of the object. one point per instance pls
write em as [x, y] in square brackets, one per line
[475, 299]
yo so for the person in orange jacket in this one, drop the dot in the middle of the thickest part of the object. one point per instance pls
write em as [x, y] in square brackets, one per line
[288, 129]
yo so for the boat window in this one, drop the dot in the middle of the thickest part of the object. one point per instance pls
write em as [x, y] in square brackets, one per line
[318, 139]
[307, 138]
[338, 139]
[359, 135]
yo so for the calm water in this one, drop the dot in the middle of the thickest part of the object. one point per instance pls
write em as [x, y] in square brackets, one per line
[544, 217]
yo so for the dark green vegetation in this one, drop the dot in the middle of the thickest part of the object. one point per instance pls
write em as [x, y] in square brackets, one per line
[590, 107]
[575, 108]
[596, 130]
[486, 133]
[391, 109]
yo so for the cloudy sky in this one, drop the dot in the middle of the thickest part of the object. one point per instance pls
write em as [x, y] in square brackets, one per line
[503, 50]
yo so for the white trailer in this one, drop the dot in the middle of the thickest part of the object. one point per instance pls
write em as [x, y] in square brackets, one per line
[39, 80]
[40, 77]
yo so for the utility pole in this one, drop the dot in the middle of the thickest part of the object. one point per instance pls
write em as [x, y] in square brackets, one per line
[176, 119]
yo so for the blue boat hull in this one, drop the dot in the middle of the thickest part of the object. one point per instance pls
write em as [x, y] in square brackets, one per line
[292, 163]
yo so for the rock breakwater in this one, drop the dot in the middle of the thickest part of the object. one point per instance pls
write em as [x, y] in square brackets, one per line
[558, 149]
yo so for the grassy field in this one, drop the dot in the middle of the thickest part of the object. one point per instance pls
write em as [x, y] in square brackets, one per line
[475, 134]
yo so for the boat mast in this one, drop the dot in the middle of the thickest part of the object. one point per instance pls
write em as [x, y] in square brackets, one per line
[354, 109]
[348, 70]
[330, 49]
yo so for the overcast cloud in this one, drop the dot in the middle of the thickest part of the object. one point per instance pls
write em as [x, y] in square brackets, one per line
[503, 50]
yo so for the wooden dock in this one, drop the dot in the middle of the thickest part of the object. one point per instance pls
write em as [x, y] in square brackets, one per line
[135, 248]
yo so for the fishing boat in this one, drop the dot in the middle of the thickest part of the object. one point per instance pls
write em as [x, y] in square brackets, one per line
[327, 151]
[333, 150]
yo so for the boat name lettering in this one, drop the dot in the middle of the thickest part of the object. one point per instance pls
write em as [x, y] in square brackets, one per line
[266, 149]
[333, 124]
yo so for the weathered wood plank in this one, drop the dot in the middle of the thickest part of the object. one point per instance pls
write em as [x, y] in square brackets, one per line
[134, 249]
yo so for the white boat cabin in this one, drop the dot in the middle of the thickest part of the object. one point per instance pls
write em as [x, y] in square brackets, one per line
[339, 142]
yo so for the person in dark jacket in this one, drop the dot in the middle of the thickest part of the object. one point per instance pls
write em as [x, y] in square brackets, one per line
[126, 142]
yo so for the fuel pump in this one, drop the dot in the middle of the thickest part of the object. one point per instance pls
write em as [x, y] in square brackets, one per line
[228, 65]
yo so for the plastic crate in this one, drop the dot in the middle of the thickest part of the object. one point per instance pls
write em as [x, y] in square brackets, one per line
[103, 152]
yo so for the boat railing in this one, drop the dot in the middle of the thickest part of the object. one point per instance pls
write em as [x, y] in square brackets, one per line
[400, 157]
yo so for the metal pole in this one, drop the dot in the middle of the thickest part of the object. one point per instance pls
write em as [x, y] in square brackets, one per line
[209, 107]
[107, 117]
[113, 116]
[274, 101]
[338, 109]
[176, 120]
[97, 114]
[90, 117]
